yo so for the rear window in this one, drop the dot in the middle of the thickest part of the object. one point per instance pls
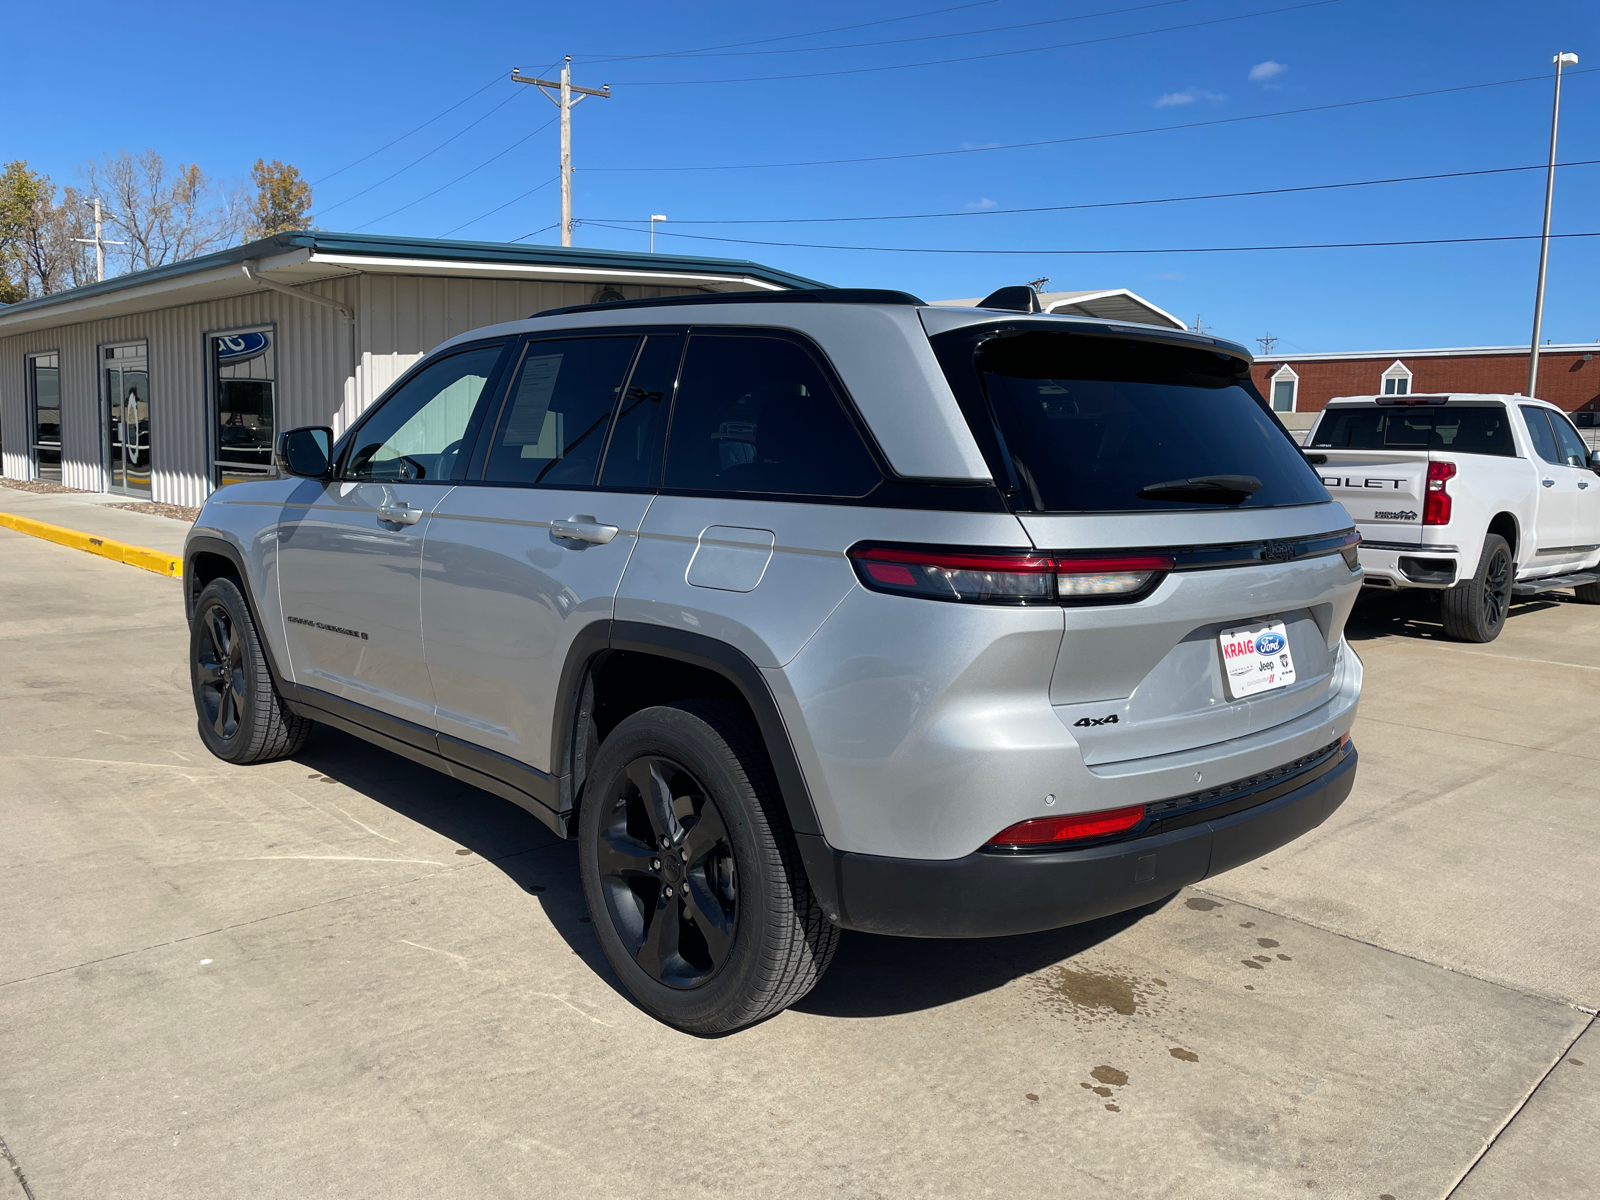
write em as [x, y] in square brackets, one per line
[1459, 428]
[1087, 424]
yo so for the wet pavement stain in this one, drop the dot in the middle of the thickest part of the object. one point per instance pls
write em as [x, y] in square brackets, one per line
[1200, 904]
[1262, 958]
[1090, 994]
[1101, 1091]
[1112, 1108]
[1285, 958]
[1247, 924]
[1268, 943]
[1030, 1096]
[463, 851]
[1250, 962]
[1185, 1055]
[1110, 1075]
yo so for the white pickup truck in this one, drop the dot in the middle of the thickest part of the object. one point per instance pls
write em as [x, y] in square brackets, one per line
[1479, 496]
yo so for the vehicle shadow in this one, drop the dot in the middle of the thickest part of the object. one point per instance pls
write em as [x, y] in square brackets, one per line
[1414, 613]
[871, 976]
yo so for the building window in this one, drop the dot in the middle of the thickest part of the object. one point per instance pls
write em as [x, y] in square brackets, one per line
[1397, 380]
[244, 387]
[1285, 389]
[44, 427]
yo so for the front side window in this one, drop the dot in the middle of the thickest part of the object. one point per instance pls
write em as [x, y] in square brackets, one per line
[1098, 424]
[757, 414]
[417, 432]
[1544, 442]
[557, 413]
[1570, 445]
[244, 382]
[1460, 428]
[44, 390]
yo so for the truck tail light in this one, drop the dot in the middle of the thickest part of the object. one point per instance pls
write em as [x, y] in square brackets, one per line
[1058, 831]
[1436, 502]
[1020, 577]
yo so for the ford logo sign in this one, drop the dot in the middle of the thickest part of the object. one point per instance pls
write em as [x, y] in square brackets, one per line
[241, 347]
[1269, 643]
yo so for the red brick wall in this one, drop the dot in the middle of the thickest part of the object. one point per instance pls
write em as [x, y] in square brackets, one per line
[1564, 378]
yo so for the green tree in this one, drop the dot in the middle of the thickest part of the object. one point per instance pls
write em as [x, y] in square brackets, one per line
[283, 199]
[37, 252]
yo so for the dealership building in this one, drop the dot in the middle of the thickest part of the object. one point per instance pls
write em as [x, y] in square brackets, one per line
[167, 383]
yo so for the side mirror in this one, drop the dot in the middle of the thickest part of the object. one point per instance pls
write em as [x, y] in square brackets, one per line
[1594, 460]
[306, 452]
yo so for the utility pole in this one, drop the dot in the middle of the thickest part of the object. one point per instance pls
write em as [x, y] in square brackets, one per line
[564, 100]
[99, 243]
[1560, 60]
[1198, 327]
[1038, 284]
[1267, 343]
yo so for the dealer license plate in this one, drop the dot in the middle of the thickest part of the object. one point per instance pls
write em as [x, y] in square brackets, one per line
[1256, 658]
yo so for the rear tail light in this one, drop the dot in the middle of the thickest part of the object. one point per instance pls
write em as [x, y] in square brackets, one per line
[1058, 831]
[1351, 549]
[1024, 577]
[1436, 502]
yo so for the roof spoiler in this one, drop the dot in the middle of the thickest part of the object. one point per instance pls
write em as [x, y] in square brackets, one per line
[1022, 299]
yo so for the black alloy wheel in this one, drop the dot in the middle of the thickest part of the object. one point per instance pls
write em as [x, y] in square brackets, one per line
[1475, 610]
[1497, 588]
[219, 672]
[667, 872]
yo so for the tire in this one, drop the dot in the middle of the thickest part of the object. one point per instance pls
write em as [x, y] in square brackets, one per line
[242, 719]
[683, 794]
[1587, 593]
[1475, 609]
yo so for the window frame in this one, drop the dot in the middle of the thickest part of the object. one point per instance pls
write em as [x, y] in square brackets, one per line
[1396, 372]
[1284, 374]
[214, 461]
[887, 478]
[31, 415]
[1533, 442]
[471, 436]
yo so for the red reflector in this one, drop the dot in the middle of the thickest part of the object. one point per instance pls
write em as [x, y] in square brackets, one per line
[1053, 831]
[891, 573]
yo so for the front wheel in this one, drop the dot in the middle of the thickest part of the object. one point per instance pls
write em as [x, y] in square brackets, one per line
[1475, 609]
[242, 717]
[692, 875]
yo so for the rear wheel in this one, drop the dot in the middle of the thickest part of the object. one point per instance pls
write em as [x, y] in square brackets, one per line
[1475, 609]
[1587, 593]
[691, 872]
[242, 717]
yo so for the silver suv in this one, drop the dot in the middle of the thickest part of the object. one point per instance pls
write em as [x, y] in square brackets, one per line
[809, 611]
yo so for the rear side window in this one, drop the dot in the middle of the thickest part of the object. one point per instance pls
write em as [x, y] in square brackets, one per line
[634, 457]
[757, 414]
[1088, 423]
[1463, 429]
[557, 413]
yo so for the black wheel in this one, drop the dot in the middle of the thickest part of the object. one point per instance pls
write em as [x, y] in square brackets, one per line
[1587, 593]
[691, 872]
[1475, 609]
[242, 717]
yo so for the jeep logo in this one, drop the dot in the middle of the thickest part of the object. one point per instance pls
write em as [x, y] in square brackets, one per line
[1277, 552]
[1086, 722]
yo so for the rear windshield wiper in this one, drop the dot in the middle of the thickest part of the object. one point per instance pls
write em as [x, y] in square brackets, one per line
[1229, 489]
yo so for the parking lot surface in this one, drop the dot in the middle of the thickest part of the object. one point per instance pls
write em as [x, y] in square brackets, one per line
[344, 975]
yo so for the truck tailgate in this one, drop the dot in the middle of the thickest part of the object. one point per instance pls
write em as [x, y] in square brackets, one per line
[1382, 490]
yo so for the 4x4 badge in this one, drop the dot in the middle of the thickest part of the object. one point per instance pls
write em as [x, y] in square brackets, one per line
[1085, 722]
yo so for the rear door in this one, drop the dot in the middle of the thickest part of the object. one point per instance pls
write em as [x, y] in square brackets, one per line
[350, 551]
[1121, 446]
[526, 554]
[1578, 479]
[1557, 519]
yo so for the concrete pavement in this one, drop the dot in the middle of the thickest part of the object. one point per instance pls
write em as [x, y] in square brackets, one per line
[345, 975]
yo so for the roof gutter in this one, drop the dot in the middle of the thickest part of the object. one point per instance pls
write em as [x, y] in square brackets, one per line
[344, 310]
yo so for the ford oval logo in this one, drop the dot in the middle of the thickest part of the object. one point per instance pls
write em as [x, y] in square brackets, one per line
[1269, 643]
[241, 347]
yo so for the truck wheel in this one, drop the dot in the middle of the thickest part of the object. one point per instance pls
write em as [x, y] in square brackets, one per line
[1587, 593]
[691, 872]
[1475, 609]
[242, 717]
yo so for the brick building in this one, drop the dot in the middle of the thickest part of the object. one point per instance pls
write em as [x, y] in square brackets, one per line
[1569, 376]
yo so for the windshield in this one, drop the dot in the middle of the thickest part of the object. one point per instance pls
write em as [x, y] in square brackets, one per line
[1464, 429]
[1101, 424]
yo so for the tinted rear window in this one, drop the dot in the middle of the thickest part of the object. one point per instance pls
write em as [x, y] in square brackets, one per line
[1089, 422]
[1462, 429]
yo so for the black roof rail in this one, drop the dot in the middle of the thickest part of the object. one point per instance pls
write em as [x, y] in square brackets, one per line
[807, 295]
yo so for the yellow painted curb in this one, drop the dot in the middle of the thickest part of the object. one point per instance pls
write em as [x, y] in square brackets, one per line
[134, 556]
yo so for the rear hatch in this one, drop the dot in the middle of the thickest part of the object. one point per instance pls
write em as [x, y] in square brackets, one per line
[1159, 450]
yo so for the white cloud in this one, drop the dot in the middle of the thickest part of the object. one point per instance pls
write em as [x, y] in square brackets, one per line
[1264, 71]
[984, 203]
[1188, 96]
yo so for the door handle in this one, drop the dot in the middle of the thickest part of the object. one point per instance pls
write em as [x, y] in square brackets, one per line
[400, 513]
[1549, 482]
[1582, 483]
[583, 529]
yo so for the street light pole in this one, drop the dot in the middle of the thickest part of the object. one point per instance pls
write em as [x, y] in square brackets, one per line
[1560, 60]
[654, 217]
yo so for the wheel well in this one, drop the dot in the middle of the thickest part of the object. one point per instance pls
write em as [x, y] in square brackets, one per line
[202, 569]
[1506, 526]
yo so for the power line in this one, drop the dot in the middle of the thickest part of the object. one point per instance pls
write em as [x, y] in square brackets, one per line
[460, 177]
[927, 37]
[507, 204]
[1046, 208]
[1517, 237]
[537, 232]
[404, 136]
[940, 62]
[788, 37]
[1096, 137]
[325, 211]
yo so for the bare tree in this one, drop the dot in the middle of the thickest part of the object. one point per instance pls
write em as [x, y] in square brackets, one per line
[164, 216]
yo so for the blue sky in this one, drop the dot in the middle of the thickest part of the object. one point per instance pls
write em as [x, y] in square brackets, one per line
[323, 85]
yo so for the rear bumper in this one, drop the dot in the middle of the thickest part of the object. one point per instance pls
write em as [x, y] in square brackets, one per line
[988, 894]
[1405, 566]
